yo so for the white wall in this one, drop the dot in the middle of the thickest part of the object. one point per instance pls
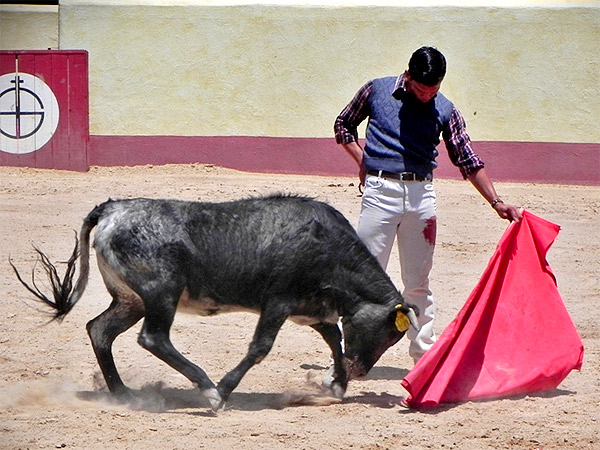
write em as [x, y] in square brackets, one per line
[518, 70]
[28, 27]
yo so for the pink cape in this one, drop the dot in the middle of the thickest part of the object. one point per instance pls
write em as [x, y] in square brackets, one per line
[512, 337]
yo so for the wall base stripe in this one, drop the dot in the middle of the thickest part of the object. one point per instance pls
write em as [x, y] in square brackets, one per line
[535, 162]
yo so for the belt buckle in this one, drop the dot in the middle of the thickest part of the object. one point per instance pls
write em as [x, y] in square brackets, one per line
[407, 176]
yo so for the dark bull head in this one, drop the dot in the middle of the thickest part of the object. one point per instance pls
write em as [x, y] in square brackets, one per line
[371, 331]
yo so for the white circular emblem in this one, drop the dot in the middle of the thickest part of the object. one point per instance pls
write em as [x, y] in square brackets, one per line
[28, 113]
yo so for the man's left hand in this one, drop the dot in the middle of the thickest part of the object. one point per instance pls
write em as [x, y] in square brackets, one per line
[508, 212]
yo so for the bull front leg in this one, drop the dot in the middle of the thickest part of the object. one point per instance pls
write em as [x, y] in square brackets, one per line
[333, 336]
[272, 317]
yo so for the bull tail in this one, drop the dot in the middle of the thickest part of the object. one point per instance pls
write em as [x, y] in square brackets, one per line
[64, 295]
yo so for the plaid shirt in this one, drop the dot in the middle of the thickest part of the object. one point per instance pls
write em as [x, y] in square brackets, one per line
[458, 142]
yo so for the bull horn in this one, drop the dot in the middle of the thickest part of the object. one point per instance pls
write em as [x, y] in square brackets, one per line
[413, 319]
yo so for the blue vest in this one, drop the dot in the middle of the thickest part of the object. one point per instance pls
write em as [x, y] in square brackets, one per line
[403, 132]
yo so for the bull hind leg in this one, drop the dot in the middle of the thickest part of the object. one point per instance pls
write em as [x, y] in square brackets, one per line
[154, 337]
[104, 329]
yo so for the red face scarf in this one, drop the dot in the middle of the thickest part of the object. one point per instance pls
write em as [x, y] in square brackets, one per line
[512, 337]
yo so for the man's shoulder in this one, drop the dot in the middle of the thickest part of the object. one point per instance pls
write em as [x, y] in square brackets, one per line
[442, 101]
[444, 105]
[442, 98]
[385, 80]
[384, 84]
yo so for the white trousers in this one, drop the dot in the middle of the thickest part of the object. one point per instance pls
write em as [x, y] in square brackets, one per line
[405, 212]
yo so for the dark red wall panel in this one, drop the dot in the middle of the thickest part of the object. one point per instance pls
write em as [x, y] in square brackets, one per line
[44, 122]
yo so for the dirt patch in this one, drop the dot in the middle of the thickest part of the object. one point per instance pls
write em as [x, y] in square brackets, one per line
[52, 396]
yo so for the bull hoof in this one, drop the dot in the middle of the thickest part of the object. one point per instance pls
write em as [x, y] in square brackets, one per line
[329, 377]
[337, 390]
[214, 398]
[123, 395]
[333, 388]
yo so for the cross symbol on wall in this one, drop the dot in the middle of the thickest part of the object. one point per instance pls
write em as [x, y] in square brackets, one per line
[34, 108]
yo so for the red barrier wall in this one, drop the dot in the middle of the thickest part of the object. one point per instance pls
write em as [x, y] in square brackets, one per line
[44, 112]
[505, 161]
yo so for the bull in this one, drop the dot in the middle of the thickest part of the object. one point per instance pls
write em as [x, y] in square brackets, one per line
[283, 257]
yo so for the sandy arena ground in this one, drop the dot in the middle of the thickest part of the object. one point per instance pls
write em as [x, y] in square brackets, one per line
[53, 396]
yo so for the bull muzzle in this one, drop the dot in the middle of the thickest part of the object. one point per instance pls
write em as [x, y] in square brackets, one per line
[354, 368]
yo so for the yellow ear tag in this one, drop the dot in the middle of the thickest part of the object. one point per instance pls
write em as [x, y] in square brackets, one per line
[402, 321]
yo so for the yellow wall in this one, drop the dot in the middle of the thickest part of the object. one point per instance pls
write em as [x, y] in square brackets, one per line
[28, 27]
[519, 71]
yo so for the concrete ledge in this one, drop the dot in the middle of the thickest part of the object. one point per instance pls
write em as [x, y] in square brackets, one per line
[345, 3]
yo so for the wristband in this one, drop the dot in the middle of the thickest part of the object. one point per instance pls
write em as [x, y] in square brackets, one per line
[496, 201]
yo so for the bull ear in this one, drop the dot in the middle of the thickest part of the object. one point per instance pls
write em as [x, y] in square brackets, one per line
[405, 316]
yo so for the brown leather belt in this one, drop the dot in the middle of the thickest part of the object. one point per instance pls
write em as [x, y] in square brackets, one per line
[402, 176]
